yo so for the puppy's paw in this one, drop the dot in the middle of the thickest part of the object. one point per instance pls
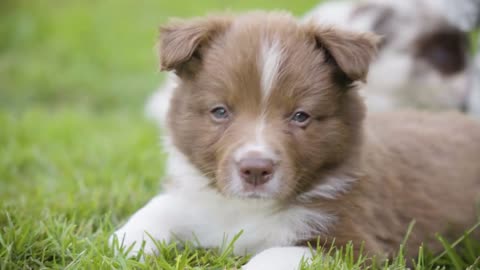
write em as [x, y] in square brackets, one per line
[278, 258]
[145, 227]
[131, 242]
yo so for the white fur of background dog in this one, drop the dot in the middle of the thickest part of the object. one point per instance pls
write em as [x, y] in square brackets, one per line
[399, 78]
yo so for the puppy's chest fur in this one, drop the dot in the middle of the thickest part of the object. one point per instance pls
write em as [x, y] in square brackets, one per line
[214, 220]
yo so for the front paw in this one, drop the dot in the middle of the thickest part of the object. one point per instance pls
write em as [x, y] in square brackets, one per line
[146, 227]
[278, 258]
[132, 242]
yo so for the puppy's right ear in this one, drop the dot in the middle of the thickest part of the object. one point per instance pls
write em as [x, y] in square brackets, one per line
[352, 52]
[180, 41]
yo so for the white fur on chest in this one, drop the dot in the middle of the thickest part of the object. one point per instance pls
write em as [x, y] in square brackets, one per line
[212, 219]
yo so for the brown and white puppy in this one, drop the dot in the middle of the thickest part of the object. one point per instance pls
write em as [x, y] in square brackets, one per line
[266, 135]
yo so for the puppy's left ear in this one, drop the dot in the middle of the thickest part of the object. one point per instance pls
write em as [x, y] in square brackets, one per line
[181, 41]
[352, 52]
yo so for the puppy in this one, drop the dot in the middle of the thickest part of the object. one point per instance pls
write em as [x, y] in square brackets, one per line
[266, 135]
[424, 55]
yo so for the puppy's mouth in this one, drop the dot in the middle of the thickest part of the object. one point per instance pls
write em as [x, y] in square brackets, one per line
[253, 187]
[256, 193]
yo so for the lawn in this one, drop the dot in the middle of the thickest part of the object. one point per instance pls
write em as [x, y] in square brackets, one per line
[78, 157]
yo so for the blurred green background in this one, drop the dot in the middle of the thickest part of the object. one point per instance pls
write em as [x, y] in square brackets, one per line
[94, 54]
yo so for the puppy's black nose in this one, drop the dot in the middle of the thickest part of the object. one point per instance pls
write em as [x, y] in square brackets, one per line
[256, 171]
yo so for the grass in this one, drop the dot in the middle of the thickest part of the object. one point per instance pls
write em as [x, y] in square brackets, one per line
[76, 155]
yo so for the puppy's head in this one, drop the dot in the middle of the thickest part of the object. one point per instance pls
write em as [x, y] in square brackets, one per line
[264, 104]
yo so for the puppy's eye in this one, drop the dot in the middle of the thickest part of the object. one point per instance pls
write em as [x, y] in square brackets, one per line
[219, 113]
[300, 118]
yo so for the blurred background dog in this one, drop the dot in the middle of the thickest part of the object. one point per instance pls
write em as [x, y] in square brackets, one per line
[424, 61]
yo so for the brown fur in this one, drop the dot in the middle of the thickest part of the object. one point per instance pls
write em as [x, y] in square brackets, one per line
[407, 165]
[352, 53]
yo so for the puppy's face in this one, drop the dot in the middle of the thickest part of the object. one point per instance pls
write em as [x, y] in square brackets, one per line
[264, 105]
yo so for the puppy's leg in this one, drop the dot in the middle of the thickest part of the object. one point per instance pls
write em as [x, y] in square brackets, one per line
[155, 220]
[279, 258]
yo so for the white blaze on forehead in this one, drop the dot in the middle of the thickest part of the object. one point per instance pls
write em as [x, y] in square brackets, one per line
[271, 59]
